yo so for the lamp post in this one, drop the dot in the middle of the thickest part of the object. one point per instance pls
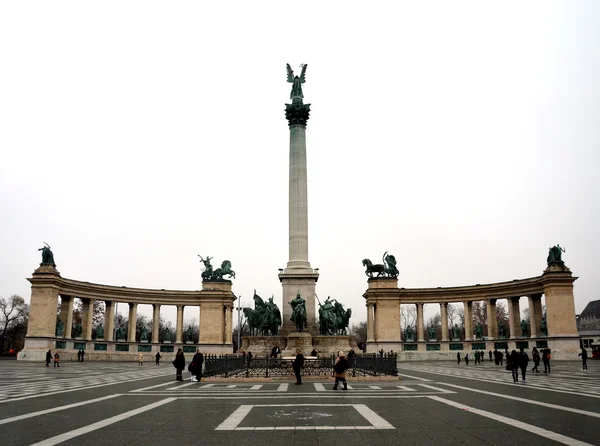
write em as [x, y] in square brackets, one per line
[239, 333]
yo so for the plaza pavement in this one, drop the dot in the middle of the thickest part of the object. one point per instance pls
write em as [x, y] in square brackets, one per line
[433, 403]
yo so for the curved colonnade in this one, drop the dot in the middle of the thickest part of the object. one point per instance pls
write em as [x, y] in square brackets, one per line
[214, 301]
[384, 330]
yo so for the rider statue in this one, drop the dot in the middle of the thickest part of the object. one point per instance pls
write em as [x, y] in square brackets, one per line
[524, 328]
[327, 317]
[100, 332]
[455, 332]
[208, 268]
[431, 333]
[299, 312]
[409, 334]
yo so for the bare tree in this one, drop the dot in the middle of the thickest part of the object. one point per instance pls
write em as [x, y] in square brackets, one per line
[193, 324]
[14, 314]
[435, 321]
[408, 315]
[359, 332]
[456, 315]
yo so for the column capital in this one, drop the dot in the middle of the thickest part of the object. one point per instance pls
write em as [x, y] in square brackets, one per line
[493, 301]
[132, 305]
[297, 114]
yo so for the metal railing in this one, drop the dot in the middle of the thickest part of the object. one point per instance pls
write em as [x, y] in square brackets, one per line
[266, 367]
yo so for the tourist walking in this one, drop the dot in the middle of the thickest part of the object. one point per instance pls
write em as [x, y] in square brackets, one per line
[179, 364]
[535, 355]
[56, 360]
[490, 353]
[48, 358]
[197, 362]
[158, 358]
[501, 355]
[340, 367]
[458, 358]
[140, 358]
[82, 355]
[79, 355]
[476, 354]
[523, 361]
[546, 359]
[512, 364]
[297, 365]
[584, 357]
[467, 359]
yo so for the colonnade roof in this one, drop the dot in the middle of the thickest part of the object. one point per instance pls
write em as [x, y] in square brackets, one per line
[87, 290]
[387, 289]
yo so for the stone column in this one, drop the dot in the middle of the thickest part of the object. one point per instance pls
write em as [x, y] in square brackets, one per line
[109, 320]
[87, 319]
[539, 314]
[514, 317]
[468, 305]
[64, 309]
[132, 322]
[492, 322]
[370, 323]
[297, 115]
[444, 315]
[155, 322]
[420, 326]
[534, 317]
[179, 325]
[42, 306]
[69, 318]
[228, 324]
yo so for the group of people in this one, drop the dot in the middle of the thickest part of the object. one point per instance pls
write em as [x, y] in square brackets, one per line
[80, 355]
[478, 355]
[195, 367]
[49, 359]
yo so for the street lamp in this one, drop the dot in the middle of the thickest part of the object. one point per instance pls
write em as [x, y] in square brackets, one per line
[239, 310]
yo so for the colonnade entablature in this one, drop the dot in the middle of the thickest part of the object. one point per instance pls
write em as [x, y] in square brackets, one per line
[385, 328]
[215, 303]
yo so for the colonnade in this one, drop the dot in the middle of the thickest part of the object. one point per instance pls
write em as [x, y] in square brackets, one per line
[385, 329]
[535, 319]
[215, 303]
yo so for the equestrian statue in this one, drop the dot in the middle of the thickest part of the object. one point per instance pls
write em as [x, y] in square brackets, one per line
[386, 269]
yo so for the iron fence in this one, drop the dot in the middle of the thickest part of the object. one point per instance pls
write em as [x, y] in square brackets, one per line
[266, 367]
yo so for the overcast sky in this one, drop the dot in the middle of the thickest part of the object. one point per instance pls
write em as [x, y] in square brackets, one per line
[462, 137]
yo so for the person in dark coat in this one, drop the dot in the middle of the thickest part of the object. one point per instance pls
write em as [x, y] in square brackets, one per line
[467, 359]
[82, 354]
[490, 355]
[546, 359]
[179, 364]
[339, 368]
[523, 361]
[297, 365]
[512, 364]
[501, 356]
[314, 352]
[584, 357]
[78, 355]
[458, 357]
[351, 358]
[48, 358]
[158, 358]
[535, 355]
[197, 361]
[476, 356]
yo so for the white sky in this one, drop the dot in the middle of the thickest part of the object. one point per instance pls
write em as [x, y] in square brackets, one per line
[460, 136]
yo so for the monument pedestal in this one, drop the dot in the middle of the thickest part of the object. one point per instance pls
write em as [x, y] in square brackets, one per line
[331, 345]
[298, 340]
[262, 345]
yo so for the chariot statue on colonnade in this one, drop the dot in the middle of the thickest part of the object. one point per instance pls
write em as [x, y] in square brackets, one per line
[209, 274]
[386, 269]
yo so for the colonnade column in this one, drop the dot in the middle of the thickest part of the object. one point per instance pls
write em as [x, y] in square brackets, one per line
[69, 318]
[109, 320]
[227, 324]
[179, 325]
[64, 309]
[444, 314]
[87, 319]
[370, 322]
[514, 317]
[468, 305]
[155, 322]
[534, 317]
[420, 328]
[132, 322]
[492, 322]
